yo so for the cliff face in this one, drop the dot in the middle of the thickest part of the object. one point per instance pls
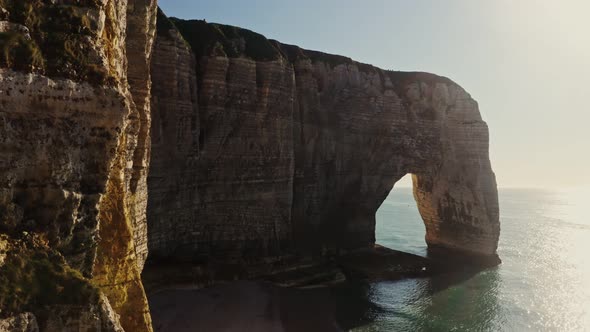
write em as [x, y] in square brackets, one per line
[362, 129]
[74, 143]
[172, 179]
[279, 151]
[212, 171]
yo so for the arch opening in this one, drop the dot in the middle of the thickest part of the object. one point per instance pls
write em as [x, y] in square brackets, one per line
[441, 214]
[399, 225]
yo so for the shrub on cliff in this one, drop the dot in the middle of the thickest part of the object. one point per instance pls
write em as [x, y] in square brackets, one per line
[61, 40]
[32, 277]
[20, 53]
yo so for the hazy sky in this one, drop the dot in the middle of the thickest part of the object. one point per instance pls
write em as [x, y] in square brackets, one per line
[527, 62]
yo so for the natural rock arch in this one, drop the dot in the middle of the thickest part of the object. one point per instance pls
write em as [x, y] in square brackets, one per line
[383, 125]
[295, 153]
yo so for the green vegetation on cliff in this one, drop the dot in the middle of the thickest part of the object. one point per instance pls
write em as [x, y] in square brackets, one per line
[163, 23]
[33, 276]
[210, 39]
[295, 53]
[20, 53]
[59, 41]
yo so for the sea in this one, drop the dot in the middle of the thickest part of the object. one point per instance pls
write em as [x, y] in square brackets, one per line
[543, 283]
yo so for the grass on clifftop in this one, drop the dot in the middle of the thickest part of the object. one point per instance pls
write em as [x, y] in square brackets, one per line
[32, 278]
[294, 53]
[163, 23]
[210, 39]
[60, 43]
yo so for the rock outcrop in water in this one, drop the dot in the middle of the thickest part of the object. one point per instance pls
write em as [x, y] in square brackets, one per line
[266, 150]
[261, 153]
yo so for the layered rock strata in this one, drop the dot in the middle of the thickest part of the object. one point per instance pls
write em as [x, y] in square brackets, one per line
[74, 146]
[263, 150]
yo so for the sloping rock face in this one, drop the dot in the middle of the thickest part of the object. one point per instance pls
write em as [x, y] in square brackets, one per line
[279, 151]
[74, 146]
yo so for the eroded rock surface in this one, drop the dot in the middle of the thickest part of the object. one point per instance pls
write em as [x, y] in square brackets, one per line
[74, 145]
[174, 138]
[25, 322]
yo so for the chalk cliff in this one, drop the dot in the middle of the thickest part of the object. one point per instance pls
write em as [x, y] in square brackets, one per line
[124, 137]
[263, 150]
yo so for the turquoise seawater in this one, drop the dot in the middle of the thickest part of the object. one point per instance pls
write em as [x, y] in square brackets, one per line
[543, 283]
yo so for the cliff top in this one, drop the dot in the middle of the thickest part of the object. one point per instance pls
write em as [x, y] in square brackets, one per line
[214, 39]
[211, 39]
